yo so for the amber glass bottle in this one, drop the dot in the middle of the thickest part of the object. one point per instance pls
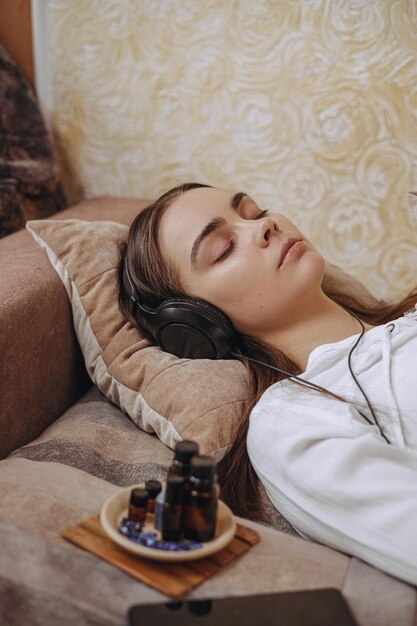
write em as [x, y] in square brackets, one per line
[184, 452]
[200, 500]
[138, 504]
[172, 510]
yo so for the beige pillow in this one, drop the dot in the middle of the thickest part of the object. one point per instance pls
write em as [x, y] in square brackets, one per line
[176, 398]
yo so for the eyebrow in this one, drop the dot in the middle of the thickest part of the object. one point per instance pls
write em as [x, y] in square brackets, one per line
[212, 226]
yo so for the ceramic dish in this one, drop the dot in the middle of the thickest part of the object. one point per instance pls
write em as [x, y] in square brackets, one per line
[117, 506]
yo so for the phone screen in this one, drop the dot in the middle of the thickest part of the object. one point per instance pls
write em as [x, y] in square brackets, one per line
[316, 607]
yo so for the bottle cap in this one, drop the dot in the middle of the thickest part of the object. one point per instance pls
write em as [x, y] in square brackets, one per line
[203, 467]
[174, 490]
[139, 497]
[185, 450]
[153, 487]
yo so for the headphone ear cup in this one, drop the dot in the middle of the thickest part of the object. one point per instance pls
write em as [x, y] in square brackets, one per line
[193, 328]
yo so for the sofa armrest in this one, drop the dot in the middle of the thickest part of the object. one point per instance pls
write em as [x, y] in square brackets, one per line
[41, 366]
[42, 370]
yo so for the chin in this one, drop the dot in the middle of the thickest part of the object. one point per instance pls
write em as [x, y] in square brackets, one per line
[311, 269]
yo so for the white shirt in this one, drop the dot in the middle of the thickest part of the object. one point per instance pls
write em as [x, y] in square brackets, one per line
[329, 471]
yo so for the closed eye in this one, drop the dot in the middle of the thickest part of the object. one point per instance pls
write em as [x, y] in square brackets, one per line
[261, 214]
[226, 253]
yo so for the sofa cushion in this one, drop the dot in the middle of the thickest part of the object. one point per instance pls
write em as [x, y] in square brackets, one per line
[75, 464]
[174, 398]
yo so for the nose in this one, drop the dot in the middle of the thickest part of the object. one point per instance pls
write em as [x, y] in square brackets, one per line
[266, 228]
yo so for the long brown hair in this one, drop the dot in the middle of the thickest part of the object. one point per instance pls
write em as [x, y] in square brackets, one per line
[156, 281]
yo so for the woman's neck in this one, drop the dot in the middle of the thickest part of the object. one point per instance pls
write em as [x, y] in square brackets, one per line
[323, 321]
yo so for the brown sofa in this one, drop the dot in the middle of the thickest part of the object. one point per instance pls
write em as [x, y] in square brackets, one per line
[65, 449]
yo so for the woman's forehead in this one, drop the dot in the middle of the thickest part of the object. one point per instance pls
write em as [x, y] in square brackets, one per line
[202, 198]
[191, 210]
[184, 219]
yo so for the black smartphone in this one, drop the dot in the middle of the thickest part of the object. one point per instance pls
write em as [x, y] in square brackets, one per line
[315, 607]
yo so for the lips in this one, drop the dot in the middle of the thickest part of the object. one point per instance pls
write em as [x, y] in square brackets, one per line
[285, 248]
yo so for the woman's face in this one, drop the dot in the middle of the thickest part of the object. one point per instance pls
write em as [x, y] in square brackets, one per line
[257, 267]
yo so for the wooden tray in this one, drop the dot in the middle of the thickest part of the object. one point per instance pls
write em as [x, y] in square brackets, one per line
[173, 579]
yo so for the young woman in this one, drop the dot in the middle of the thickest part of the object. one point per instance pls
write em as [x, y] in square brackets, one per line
[332, 435]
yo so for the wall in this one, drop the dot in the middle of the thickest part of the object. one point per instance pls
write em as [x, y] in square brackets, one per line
[308, 105]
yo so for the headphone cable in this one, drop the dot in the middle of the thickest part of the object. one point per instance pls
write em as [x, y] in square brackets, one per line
[308, 383]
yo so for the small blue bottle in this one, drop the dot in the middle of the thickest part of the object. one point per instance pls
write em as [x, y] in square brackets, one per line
[159, 508]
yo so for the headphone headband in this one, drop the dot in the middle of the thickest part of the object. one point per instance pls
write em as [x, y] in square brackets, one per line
[146, 313]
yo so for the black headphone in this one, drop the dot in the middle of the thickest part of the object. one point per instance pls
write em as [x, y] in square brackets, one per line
[190, 328]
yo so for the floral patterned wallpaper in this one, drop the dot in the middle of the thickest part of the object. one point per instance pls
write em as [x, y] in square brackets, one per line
[308, 105]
